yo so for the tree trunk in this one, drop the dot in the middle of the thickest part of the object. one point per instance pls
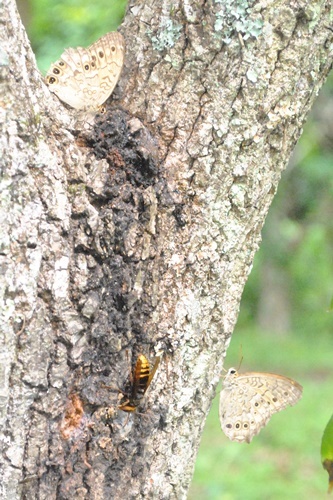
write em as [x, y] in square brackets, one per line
[137, 236]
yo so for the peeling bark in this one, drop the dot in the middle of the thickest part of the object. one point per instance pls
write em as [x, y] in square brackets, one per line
[137, 236]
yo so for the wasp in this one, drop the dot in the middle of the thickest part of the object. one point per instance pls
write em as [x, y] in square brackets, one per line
[139, 382]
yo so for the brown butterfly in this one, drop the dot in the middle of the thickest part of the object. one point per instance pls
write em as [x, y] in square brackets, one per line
[85, 78]
[248, 400]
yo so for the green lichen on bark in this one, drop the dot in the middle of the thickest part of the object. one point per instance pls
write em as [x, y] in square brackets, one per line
[234, 15]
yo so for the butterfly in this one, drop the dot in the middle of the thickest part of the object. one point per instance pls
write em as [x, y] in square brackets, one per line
[248, 400]
[85, 78]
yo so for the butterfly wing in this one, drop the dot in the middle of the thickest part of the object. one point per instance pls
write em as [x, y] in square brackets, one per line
[85, 78]
[67, 77]
[248, 401]
[280, 391]
[108, 52]
[242, 414]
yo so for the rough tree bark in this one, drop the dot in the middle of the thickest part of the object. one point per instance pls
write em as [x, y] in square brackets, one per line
[138, 236]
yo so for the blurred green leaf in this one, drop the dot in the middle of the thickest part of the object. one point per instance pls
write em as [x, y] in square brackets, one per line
[327, 452]
[330, 309]
[70, 23]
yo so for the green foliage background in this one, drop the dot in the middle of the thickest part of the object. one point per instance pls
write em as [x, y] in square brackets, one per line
[56, 25]
[284, 460]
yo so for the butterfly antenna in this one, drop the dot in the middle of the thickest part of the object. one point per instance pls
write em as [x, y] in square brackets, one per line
[241, 357]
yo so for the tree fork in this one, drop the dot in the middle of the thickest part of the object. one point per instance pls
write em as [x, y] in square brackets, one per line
[137, 237]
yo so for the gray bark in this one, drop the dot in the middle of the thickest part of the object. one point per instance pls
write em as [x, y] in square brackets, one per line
[138, 237]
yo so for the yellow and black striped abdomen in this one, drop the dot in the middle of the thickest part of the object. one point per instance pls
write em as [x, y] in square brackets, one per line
[141, 379]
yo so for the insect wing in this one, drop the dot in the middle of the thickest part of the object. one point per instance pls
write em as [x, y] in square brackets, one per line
[248, 400]
[141, 379]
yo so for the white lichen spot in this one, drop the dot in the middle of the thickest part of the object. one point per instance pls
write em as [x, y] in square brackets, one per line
[240, 169]
[233, 233]
[234, 15]
[185, 398]
[237, 195]
[230, 141]
[252, 75]
[250, 132]
[189, 12]
[221, 127]
[60, 285]
[187, 309]
[312, 13]
[173, 62]
[166, 35]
